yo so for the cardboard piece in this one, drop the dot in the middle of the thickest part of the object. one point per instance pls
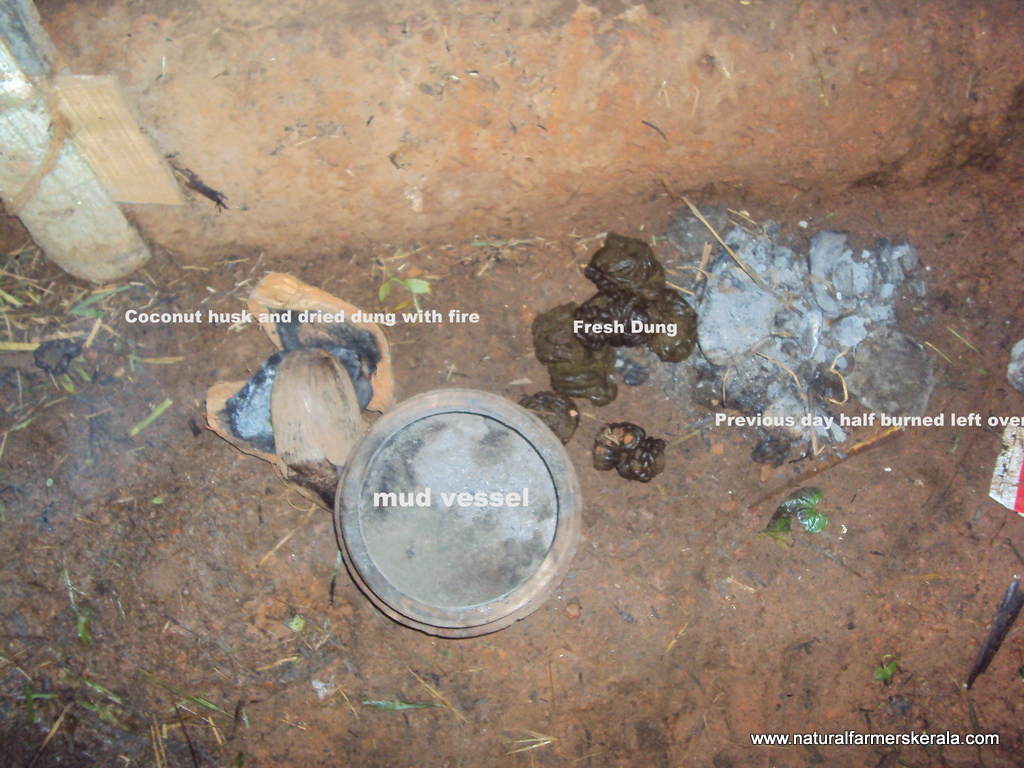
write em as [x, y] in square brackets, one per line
[1007, 480]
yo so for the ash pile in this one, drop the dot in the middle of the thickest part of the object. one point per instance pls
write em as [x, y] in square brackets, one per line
[786, 334]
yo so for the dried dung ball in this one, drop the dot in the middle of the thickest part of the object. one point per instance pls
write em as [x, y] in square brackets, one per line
[54, 356]
[605, 457]
[626, 448]
[559, 412]
[644, 462]
[622, 434]
[612, 441]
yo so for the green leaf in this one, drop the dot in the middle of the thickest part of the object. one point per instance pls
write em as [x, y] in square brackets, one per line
[802, 500]
[10, 299]
[101, 689]
[398, 705]
[813, 522]
[200, 702]
[105, 713]
[801, 504]
[295, 623]
[30, 708]
[23, 424]
[84, 631]
[385, 290]
[83, 309]
[885, 672]
[30, 701]
[779, 527]
[415, 285]
[157, 410]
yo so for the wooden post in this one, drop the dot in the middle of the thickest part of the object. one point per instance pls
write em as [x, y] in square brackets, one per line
[43, 179]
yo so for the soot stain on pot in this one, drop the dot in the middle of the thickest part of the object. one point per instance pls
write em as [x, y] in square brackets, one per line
[495, 446]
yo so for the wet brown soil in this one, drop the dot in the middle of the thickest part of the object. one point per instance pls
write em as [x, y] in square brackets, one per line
[166, 600]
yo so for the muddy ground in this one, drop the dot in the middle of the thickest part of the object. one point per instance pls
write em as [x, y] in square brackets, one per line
[166, 600]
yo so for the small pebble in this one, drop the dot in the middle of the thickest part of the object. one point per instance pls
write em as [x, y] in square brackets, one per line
[631, 372]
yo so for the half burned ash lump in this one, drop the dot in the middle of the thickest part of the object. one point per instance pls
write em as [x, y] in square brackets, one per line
[789, 350]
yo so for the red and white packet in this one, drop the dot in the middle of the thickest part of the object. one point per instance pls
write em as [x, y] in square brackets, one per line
[1008, 476]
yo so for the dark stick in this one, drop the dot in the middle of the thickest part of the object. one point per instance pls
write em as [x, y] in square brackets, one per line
[652, 125]
[1006, 613]
[188, 739]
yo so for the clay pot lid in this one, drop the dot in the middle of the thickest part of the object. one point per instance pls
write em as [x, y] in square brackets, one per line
[448, 568]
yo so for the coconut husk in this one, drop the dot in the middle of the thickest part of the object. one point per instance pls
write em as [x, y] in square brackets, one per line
[313, 409]
[316, 422]
[278, 291]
